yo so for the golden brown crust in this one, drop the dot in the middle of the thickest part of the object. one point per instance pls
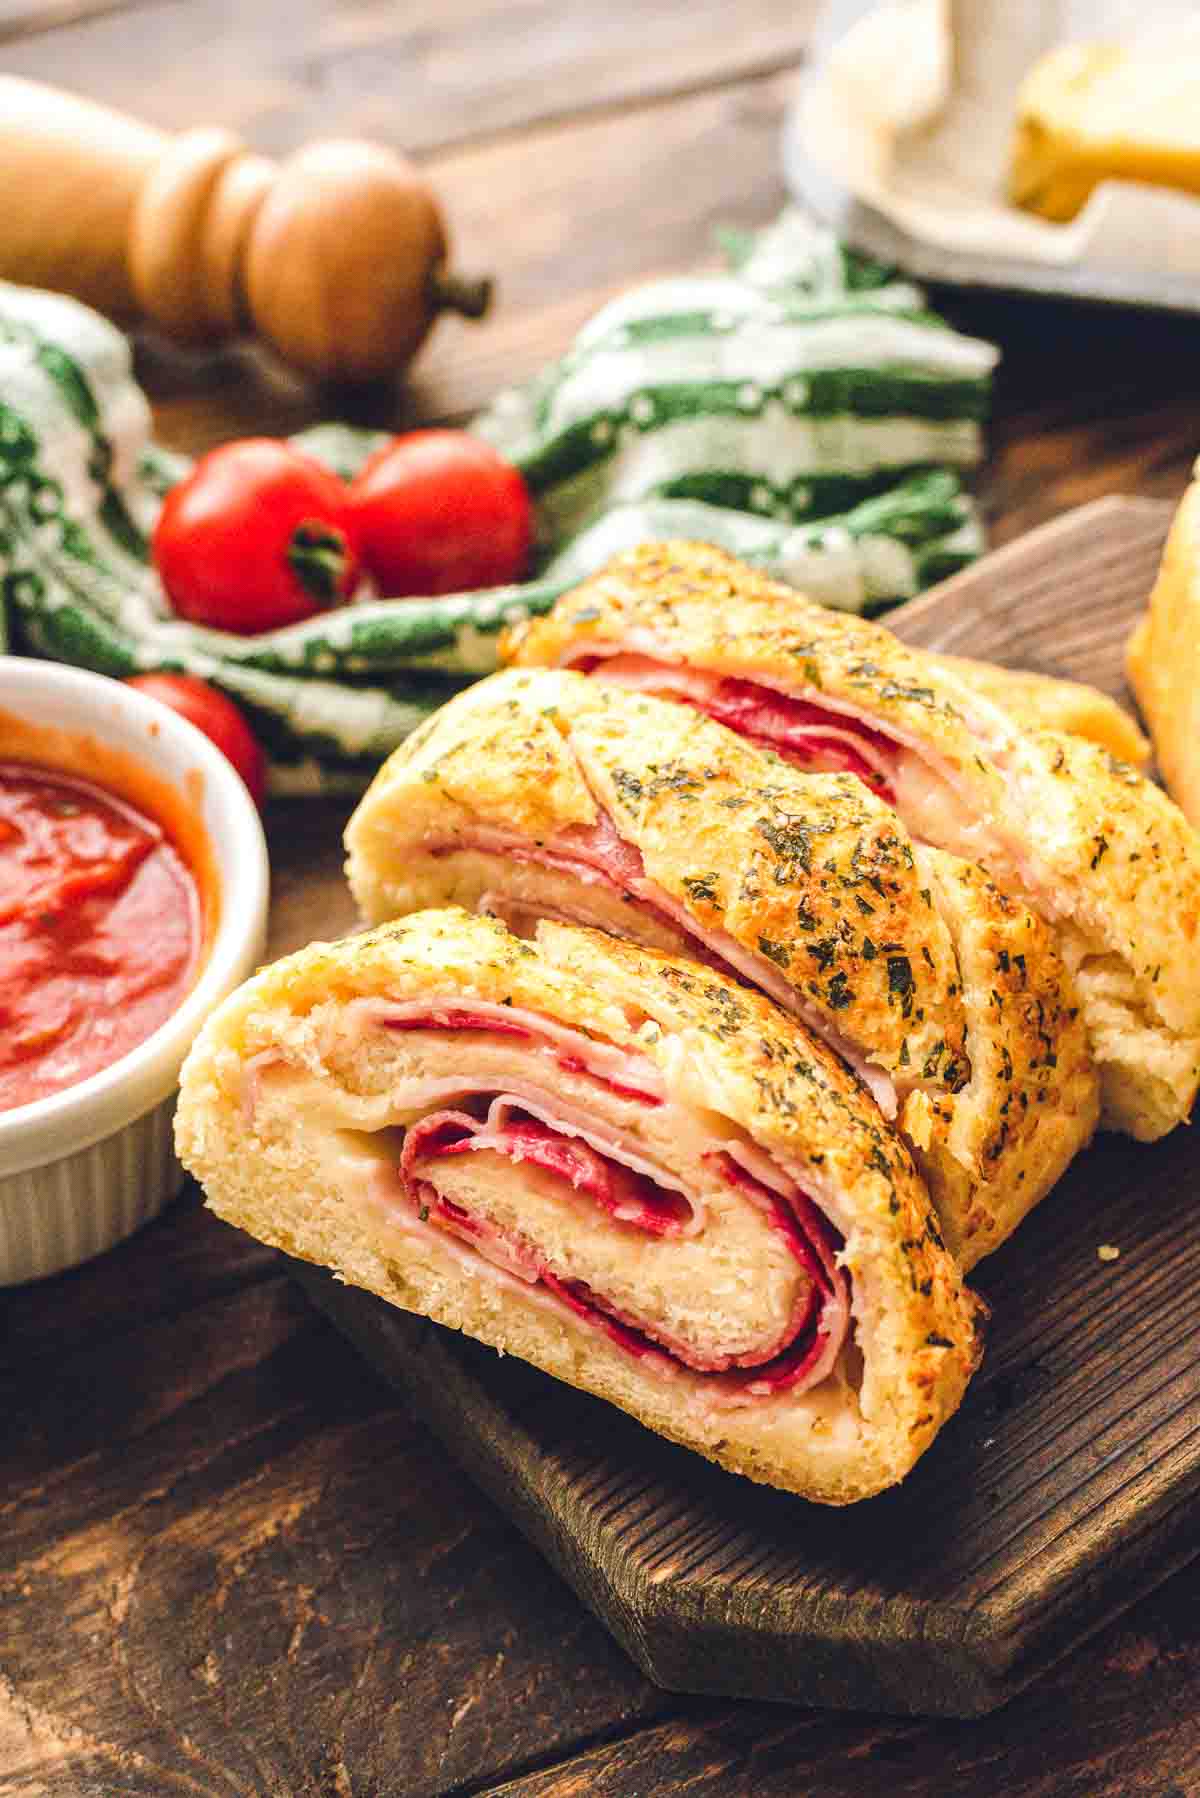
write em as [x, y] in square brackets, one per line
[1163, 658]
[1043, 702]
[705, 609]
[1132, 943]
[1084, 839]
[810, 873]
[1132, 862]
[916, 1323]
[997, 1147]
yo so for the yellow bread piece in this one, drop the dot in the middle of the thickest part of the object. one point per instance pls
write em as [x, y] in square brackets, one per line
[1163, 658]
[1088, 113]
[1042, 702]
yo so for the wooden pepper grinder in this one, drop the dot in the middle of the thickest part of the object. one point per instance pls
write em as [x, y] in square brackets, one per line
[335, 256]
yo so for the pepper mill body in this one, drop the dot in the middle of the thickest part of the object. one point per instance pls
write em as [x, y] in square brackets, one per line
[336, 257]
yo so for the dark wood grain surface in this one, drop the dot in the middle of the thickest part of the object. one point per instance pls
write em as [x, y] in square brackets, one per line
[232, 1563]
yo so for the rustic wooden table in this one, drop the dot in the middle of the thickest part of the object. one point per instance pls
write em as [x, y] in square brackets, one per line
[232, 1563]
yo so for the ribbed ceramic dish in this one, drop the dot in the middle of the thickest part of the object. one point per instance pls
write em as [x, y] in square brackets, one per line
[82, 1169]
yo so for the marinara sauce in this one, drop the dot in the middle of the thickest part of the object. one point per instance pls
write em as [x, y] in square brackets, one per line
[101, 929]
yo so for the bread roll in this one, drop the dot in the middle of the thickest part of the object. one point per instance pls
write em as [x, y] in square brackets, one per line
[1163, 658]
[632, 1172]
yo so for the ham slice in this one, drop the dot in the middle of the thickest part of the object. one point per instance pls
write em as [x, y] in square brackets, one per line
[810, 736]
[629, 1197]
[631, 1076]
[794, 1359]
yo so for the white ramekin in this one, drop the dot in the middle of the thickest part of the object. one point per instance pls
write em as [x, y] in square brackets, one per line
[83, 1168]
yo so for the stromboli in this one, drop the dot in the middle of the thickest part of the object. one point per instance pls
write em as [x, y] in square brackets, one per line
[542, 793]
[813, 1334]
[1080, 837]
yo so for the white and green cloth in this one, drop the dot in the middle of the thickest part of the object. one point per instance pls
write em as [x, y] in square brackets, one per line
[802, 410]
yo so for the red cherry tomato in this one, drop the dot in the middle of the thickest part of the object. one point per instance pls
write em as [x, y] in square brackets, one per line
[441, 512]
[257, 536]
[216, 716]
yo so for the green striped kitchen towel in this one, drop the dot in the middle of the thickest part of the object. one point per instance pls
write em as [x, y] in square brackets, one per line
[802, 410]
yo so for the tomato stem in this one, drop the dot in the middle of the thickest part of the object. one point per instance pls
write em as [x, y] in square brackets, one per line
[318, 556]
[468, 295]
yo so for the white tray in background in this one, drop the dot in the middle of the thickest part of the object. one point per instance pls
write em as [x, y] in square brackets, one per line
[931, 199]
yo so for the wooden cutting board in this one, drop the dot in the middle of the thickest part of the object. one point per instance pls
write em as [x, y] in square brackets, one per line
[1065, 1487]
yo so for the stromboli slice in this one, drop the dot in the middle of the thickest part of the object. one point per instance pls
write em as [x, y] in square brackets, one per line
[625, 1168]
[671, 831]
[1095, 849]
[543, 794]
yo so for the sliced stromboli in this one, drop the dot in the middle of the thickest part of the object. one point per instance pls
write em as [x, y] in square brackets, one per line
[545, 795]
[627, 1169]
[542, 794]
[1081, 837]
